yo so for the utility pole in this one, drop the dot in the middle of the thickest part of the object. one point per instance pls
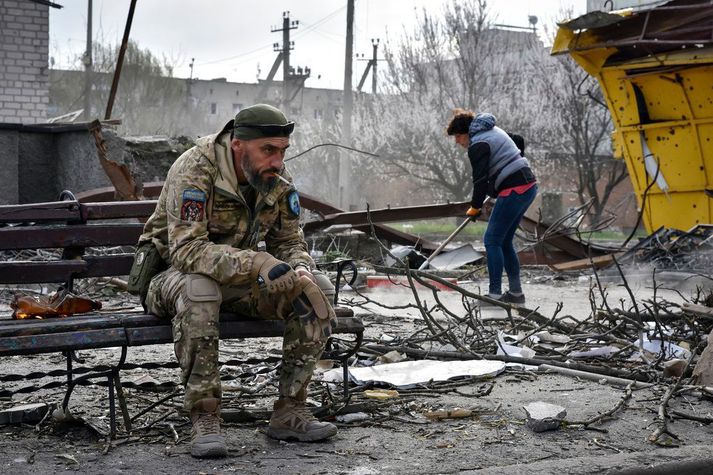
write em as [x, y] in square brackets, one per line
[88, 65]
[287, 45]
[348, 53]
[343, 174]
[371, 64]
[375, 45]
[292, 81]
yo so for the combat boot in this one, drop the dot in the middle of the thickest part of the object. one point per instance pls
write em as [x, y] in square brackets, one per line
[206, 438]
[292, 420]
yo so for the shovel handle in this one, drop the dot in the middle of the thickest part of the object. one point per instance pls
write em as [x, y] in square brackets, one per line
[444, 244]
[448, 239]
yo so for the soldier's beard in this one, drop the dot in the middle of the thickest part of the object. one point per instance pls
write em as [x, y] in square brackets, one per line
[255, 177]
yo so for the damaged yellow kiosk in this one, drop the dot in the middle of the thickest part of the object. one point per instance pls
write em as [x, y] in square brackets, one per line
[655, 68]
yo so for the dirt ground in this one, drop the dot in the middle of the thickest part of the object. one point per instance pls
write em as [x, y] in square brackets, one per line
[394, 438]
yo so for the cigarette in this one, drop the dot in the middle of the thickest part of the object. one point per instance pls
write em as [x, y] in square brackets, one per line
[282, 178]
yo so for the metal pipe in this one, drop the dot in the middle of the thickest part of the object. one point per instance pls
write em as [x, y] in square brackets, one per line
[120, 61]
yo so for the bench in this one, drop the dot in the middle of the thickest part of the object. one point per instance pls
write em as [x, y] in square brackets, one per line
[83, 232]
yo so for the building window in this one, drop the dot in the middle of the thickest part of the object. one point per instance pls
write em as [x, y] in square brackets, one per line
[213, 107]
[318, 114]
[237, 108]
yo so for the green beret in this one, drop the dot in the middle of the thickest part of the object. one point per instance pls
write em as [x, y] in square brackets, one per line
[260, 121]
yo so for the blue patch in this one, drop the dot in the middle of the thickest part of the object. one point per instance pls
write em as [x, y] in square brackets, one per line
[193, 205]
[293, 202]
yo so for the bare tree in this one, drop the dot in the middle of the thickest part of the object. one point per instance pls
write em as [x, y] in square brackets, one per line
[578, 132]
[452, 59]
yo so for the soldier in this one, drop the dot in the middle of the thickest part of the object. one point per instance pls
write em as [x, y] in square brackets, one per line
[220, 199]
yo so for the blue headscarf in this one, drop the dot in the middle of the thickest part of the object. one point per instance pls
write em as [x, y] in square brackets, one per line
[481, 122]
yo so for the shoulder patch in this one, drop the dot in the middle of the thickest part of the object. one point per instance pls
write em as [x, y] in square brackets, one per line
[193, 205]
[293, 203]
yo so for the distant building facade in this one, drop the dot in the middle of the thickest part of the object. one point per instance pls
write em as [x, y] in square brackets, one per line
[206, 104]
[609, 5]
[24, 40]
[218, 100]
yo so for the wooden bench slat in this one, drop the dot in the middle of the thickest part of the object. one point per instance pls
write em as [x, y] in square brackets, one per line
[94, 321]
[27, 327]
[36, 272]
[82, 338]
[41, 212]
[80, 235]
[55, 342]
[118, 209]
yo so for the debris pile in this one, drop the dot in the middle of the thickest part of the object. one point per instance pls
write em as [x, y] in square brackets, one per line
[672, 249]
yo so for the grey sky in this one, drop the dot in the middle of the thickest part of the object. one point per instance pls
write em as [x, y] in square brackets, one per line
[232, 39]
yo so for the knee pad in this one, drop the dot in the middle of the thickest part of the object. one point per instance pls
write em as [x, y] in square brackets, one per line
[200, 288]
[198, 317]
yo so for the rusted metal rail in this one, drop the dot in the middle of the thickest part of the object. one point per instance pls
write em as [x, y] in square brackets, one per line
[565, 247]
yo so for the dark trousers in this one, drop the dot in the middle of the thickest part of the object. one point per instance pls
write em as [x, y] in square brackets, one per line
[503, 222]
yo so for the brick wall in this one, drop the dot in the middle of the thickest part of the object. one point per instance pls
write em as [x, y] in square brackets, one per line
[24, 39]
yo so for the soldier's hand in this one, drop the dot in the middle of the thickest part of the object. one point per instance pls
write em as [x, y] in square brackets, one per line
[314, 311]
[277, 276]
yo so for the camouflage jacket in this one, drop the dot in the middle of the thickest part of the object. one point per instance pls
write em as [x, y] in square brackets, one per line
[202, 223]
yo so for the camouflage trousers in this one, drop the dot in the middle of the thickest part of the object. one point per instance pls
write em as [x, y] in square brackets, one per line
[194, 302]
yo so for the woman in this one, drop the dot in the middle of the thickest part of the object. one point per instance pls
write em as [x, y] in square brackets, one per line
[499, 170]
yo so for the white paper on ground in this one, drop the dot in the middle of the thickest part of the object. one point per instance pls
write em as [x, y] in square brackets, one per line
[410, 373]
[512, 350]
[671, 350]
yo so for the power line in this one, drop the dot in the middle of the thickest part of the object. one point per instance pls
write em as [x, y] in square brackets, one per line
[269, 45]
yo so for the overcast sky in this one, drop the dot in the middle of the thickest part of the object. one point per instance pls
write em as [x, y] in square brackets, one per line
[232, 38]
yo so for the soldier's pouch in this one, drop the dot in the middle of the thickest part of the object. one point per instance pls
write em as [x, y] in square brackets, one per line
[147, 263]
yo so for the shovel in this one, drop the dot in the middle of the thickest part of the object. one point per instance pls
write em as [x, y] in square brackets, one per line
[444, 244]
[449, 239]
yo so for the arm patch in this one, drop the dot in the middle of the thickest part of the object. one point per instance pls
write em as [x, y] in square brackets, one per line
[293, 203]
[193, 205]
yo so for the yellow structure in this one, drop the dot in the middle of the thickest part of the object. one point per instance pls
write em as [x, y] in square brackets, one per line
[655, 68]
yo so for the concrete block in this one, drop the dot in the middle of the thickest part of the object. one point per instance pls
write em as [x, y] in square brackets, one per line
[26, 413]
[37, 168]
[543, 416]
[9, 151]
[78, 167]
